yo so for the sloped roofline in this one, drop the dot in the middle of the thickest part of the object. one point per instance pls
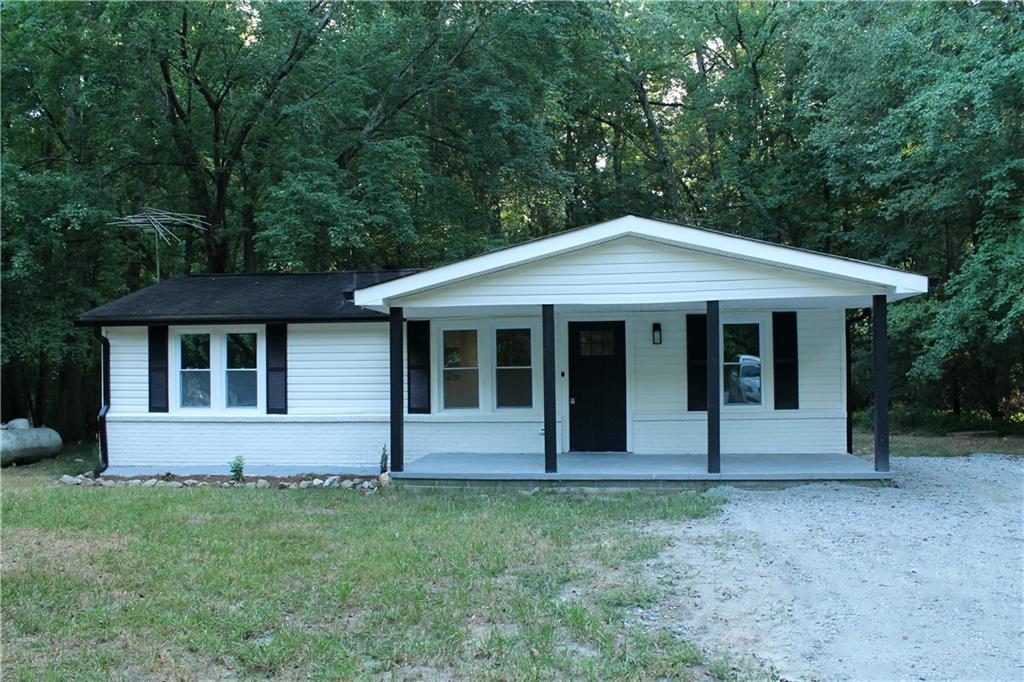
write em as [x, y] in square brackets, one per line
[900, 283]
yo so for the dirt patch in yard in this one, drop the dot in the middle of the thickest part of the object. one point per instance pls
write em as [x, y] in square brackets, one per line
[831, 581]
[25, 548]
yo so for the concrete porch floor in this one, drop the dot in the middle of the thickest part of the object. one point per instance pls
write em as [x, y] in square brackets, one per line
[621, 466]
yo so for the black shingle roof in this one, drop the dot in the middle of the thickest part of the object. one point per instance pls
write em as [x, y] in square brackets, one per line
[209, 299]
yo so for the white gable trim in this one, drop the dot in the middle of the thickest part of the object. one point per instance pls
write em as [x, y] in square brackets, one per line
[898, 283]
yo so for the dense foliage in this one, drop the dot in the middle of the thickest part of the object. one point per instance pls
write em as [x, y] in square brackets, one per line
[321, 135]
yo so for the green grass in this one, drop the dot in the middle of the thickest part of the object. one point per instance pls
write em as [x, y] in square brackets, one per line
[919, 444]
[329, 584]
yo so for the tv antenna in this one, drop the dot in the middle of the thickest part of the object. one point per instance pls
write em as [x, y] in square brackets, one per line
[161, 224]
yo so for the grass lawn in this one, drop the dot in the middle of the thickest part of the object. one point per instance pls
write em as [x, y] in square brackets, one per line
[330, 584]
[911, 444]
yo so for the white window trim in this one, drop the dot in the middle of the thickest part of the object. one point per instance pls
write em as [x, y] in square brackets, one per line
[763, 322]
[535, 353]
[479, 368]
[218, 370]
[486, 364]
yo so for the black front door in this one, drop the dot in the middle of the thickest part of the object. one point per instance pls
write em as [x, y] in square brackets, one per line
[597, 386]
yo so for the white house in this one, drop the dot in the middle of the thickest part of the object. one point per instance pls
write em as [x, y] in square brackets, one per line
[633, 348]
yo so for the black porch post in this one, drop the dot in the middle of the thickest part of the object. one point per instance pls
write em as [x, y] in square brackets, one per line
[849, 386]
[397, 398]
[550, 434]
[879, 324]
[714, 398]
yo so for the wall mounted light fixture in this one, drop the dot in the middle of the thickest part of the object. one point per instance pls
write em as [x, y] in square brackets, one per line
[656, 333]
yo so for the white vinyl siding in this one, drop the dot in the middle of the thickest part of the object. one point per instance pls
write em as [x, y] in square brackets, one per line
[338, 368]
[821, 359]
[129, 369]
[338, 399]
[630, 270]
[661, 424]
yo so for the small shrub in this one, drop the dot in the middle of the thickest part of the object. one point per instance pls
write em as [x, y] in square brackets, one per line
[237, 469]
[384, 459]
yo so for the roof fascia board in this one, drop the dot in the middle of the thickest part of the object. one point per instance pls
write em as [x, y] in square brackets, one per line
[900, 282]
[487, 263]
[179, 320]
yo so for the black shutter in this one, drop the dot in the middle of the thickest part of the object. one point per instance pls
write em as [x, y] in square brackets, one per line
[158, 369]
[787, 381]
[697, 363]
[418, 339]
[277, 369]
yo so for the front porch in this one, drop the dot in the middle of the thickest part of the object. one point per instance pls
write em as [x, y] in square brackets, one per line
[621, 466]
[634, 336]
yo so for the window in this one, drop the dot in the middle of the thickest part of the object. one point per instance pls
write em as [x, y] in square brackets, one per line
[513, 374]
[218, 369]
[195, 370]
[595, 342]
[241, 374]
[461, 370]
[742, 363]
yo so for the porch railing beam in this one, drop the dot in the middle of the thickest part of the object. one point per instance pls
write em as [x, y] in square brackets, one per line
[714, 393]
[396, 352]
[550, 432]
[880, 348]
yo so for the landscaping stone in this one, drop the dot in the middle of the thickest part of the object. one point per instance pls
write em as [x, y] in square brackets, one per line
[318, 483]
[68, 480]
[202, 484]
[149, 483]
[263, 483]
[293, 485]
[385, 479]
[332, 482]
[226, 484]
[175, 484]
[135, 483]
[251, 485]
[282, 485]
[347, 483]
[305, 484]
[191, 482]
[161, 484]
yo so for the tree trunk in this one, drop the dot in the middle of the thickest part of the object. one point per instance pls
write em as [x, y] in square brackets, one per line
[72, 423]
[42, 392]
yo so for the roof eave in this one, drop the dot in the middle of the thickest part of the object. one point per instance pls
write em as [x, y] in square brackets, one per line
[379, 296]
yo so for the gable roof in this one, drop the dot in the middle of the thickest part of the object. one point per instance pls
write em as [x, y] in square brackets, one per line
[894, 282]
[249, 298]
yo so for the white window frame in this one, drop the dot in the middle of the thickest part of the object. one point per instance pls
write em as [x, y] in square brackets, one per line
[218, 369]
[763, 322]
[479, 367]
[535, 351]
[486, 364]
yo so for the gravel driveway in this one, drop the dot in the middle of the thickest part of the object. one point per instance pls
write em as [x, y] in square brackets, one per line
[836, 582]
